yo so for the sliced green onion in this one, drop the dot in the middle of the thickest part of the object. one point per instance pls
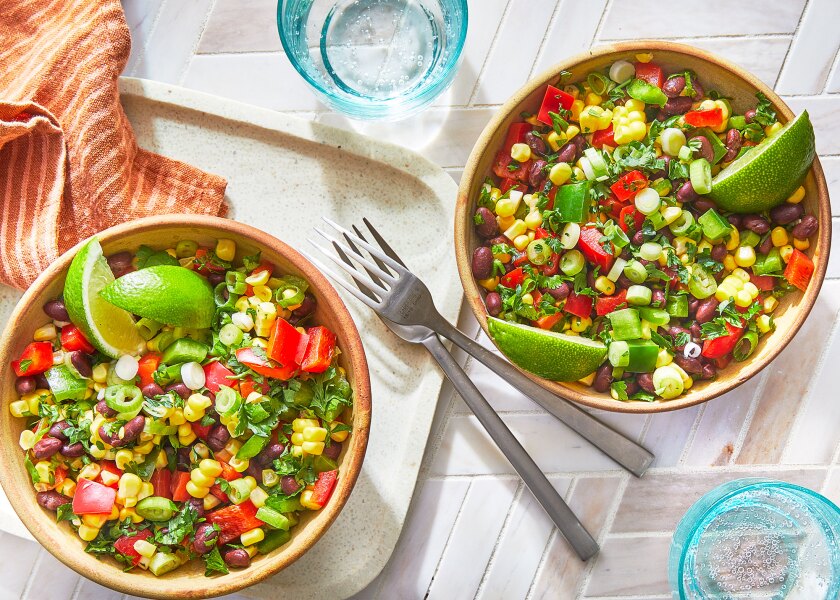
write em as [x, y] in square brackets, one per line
[599, 83]
[156, 508]
[125, 399]
[700, 173]
[570, 236]
[572, 262]
[745, 346]
[617, 268]
[683, 224]
[538, 252]
[635, 271]
[235, 282]
[222, 303]
[619, 354]
[622, 71]
[672, 141]
[685, 153]
[702, 284]
[650, 251]
[586, 166]
[291, 290]
[639, 295]
[156, 427]
[147, 328]
[230, 335]
[599, 165]
[668, 382]
[227, 401]
[647, 201]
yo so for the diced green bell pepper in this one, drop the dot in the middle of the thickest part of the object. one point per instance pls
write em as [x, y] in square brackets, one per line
[284, 504]
[677, 305]
[749, 238]
[64, 384]
[322, 463]
[273, 540]
[626, 324]
[768, 263]
[184, 350]
[572, 201]
[252, 447]
[272, 517]
[657, 220]
[715, 227]
[643, 355]
[646, 92]
[655, 316]
[167, 374]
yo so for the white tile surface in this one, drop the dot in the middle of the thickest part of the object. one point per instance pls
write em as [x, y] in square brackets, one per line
[473, 528]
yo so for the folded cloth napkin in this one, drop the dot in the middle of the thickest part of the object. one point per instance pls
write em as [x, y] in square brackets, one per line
[69, 161]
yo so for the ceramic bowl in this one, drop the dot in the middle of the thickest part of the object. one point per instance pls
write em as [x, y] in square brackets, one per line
[188, 581]
[716, 73]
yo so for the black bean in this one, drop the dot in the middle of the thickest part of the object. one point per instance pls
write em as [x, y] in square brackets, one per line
[560, 292]
[686, 193]
[735, 220]
[237, 557]
[645, 381]
[709, 371]
[106, 411]
[482, 262]
[638, 238]
[332, 451]
[733, 145]
[698, 89]
[218, 437]
[306, 308]
[806, 227]
[51, 499]
[786, 213]
[486, 225]
[705, 149]
[632, 386]
[183, 461]
[25, 385]
[674, 86]
[537, 174]
[215, 279]
[749, 115]
[72, 450]
[674, 106]
[81, 362]
[288, 485]
[56, 310]
[198, 506]
[493, 302]
[657, 298]
[755, 223]
[270, 452]
[766, 245]
[41, 381]
[57, 430]
[535, 142]
[151, 389]
[703, 204]
[120, 263]
[692, 366]
[696, 331]
[603, 378]
[181, 389]
[692, 307]
[719, 252]
[205, 538]
[706, 310]
[568, 153]
[46, 447]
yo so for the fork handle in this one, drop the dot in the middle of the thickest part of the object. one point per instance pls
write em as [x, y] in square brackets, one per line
[624, 451]
[533, 477]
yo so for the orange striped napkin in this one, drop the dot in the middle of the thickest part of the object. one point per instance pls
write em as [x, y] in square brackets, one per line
[69, 162]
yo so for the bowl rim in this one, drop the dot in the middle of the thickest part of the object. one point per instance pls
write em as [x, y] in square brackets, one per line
[47, 532]
[393, 108]
[464, 204]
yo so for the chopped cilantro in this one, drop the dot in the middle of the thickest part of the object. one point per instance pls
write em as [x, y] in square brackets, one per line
[213, 563]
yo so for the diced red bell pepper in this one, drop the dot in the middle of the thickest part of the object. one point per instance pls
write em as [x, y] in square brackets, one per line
[179, 486]
[228, 472]
[604, 305]
[578, 305]
[263, 266]
[552, 265]
[629, 185]
[36, 358]
[590, 245]
[216, 490]
[604, 137]
[324, 486]
[93, 498]
[712, 117]
[636, 217]
[650, 72]
[161, 481]
[520, 259]
[765, 283]
[248, 385]
[548, 321]
[799, 269]
[541, 233]
[554, 100]
[284, 343]
[234, 520]
[721, 346]
[261, 365]
[59, 476]
[513, 278]
[147, 365]
[508, 184]
[613, 206]
[216, 374]
[109, 474]
[202, 265]
[73, 339]
[552, 194]
[504, 161]
[319, 351]
[201, 431]
[516, 134]
[125, 544]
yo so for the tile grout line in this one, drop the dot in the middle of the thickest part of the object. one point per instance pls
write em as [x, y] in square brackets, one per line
[835, 65]
[38, 560]
[608, 523]
[748, 419]
[142, 53]
[792, 41]
[689, 441]
[809, 391]
[723, 36]
[517, 497]
[194, 52]
[596, 36]
[542, 49]
[496, 36]
[555, 533]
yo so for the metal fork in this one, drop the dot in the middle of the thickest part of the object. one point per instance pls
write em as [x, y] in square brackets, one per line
[409, 302]
[386, 303]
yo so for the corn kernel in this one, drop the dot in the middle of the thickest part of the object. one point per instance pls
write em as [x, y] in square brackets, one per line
[263, 292]
[44, 470]
[785, 252]
[314, 434]
[233, 446]
[506, 207]
[254, 536]
[200, 479]
[517, 229]
[130, 513]
[67, 487]
[144, 548]
[555, 140]
[745, 256]
[521, 241]
[95, 521]
[97, 452]
[576, 109]
[258, 497]
[239, 465]
[742, 299]
[770, 304]
[663, 358]
[801, 244]
[297, 438]
[306, 501]
[771, 129]
[338, 436]
[89, 471]
[724, 292]
[226, 249]
[533, 220]
[186, 440]
[644, 57]
[671, 214]
[258, 278]
[100, 373]
[145, 448]
[741, 275]
[593, 98]
[146, 490]
[210, 502]
[44, 333]
[604, 285]
[797, 196]
[196, 491]
[634, 105]
[779, 237]
[729, 263]
[580, 325]
[313, 447]
[129, 485]
[177, 417]
[750, 288]
[520, 152]
[87, 533]
[210, 467]
[122, 458]
[764, 323]
[20, 408]
[571, 132]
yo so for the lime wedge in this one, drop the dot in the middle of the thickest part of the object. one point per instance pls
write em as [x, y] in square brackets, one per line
[549, 354]
[767, 175]
[168, 294]
[107, 327]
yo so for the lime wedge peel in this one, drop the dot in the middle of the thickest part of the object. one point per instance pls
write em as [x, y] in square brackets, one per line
[109, 328]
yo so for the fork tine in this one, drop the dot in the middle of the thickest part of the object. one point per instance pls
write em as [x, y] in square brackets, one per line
[358, 257]
[381, 264]
[340, 281]
[381, 241]
[350, 270]
[374, 251]
[362, 287]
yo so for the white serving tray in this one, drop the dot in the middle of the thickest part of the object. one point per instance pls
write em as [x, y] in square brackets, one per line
[283, 174]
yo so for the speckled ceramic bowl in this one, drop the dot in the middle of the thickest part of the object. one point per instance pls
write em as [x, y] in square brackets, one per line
[188, 581]
[731, 81]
